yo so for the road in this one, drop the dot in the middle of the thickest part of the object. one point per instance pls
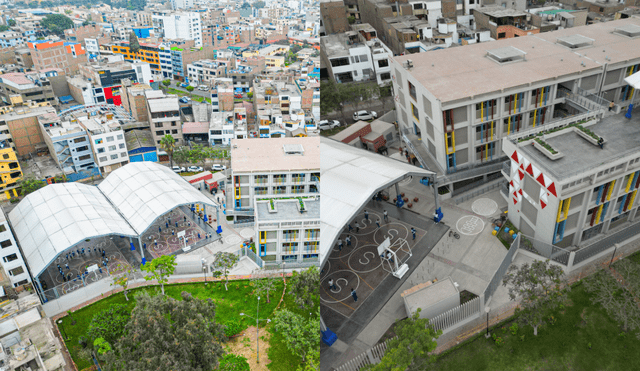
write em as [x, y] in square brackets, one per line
[349, 110]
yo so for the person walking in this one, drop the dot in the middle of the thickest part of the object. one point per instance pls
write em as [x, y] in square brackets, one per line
[348, 240]
[386, 216]
[611, 105]
[413, 232]
[332, 285]
[366, 215]
[354, 295]
[378, 222]
[339, 245]
[357, 227]
[389, 257]
[350, 227]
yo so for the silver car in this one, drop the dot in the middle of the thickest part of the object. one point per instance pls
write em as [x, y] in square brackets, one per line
[364, 115]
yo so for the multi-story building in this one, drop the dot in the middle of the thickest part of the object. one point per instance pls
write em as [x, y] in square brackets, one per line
[107, 141]
[457, 113]
[222, 95]
[10, 171]
[59, 54]
[206, 71]
[134, 101]
[504, 23]
[221, 128]
[12, 260]
[23, 58]
[309, 90]
[148, 53]
[10, 38]
[68, 143]
[164, 116]
[79, 34]
[346, 59]
[181, 4]
[179, 26]
[21, 120]
[581, 191]
[35, 87]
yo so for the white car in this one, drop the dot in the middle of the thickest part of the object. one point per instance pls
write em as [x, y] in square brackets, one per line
[328, 124]
[218, 167]
[203, 87]
[178, 169]
[195, 169]
[364, 115]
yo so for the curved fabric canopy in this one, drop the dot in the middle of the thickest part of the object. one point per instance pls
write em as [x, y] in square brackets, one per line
[349, 178]
[58, 216]
[143, 191]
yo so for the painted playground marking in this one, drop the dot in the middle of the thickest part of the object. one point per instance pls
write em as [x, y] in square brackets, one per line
[247, 233]
[484, 206]
[469, 225]
[339, 282]
[392, 233]
[366, 258]
[232, 239]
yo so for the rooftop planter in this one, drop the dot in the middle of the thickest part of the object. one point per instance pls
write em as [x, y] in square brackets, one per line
[546, 149]
[272, 206]
[588, 135]
[301, 206]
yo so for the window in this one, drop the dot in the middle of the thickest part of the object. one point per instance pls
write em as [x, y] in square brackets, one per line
[502, 35]
[98, 141]
[10, 258]
[174, 123]
[2, 228]
[112, 148]
[85, 157]
[123, 154]
[174, 131]
[337, 62]
[412, 90]
[110, 139]
[16, 271]
[385, 76]
[159, 133]
[383, 63]
[114, 157]
[80, 140]
[5, 243]
[158, 124]
[101, 150]
[104, 158]
[415, 112]
[120, 136]
[122, 146]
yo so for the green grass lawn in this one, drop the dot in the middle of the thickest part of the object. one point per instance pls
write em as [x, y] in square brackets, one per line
[560, 346]
[281, 358]
[230, 303]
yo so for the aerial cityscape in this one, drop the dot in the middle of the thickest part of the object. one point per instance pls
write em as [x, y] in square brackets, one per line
[333, 185]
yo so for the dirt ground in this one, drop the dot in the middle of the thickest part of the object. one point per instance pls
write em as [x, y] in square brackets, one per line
[245, 345]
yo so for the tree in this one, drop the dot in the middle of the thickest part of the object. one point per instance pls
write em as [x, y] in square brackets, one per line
[109, 324]
[134, 45]
[300, 334]
[102, 346]
[86, 22]
[166, 82]
[223, 264]
[245, 5]
[121, 278]
[168, 144]
[351, 19]
[167, 334]
[190, 88]
[384, 93]
[250, 94]
[28, 185]
[3, 28]
[56, 23]
[181, 155]
[259, 4]
[616, 297]
[160, 269]
[264, 282]
[539, 286]
[138, 4]
[305, 287]
[11, 22]
[411, 348]
[234, 362]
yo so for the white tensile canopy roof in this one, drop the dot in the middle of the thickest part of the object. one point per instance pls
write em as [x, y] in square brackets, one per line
[633, 80]
[143, 191]
[50, 220]
[350, 177]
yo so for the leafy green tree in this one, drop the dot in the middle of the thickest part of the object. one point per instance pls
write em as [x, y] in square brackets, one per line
[109, 324]
[86, 23]
[264, 282]
[122, 276]
[351, 19]
[246, 5]
[56, 23]
[28, 185]
[384, 93]
[181, 155]
[138, 4]
[160, 269]
[11, 22]
[234, 362]
[102, 346]
[223, 264]
[259, 4]
[168, 334]
[190, 88]
[134, 45]
[168, 144]
[250, 94]
[410, 349]
[540, 287]
[166, 82]
[616, 297]
[304, 287]
[300, 334]
[3, 28]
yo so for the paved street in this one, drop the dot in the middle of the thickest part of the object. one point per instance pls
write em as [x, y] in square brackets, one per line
[375, 105]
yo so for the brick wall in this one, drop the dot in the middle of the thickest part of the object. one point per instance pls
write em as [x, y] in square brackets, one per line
[334, 17]
[358, 134]
[26, 134]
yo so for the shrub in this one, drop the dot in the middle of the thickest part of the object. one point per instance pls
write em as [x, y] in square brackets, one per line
[234, 362]
[514, 329]
[499, 342]
[232, 328]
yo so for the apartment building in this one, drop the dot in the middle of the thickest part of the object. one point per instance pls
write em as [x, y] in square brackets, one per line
[10, 170]
[134, 100]
[458, 103]
[12, 260]
[24, 133]
[107, 142]
[179, 26]
[148, 53]
[79, 34]
[581, 191]
[23, 58]
[207, 70]
[309, 90]
[346, 58]
[504, 23]
[164, 116]
[10, 38]
[65, 55]
[222, 95]
[33, 87]
[221, 128]
[68, 142]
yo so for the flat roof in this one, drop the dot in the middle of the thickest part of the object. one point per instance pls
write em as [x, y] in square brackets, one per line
[458, 73]
[251, 155]
[426, 295]
[163, 104]
[288, 210]
[621, 136]
[195, 128]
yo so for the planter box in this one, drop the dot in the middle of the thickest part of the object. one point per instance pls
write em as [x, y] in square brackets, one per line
[546, 152]
[588, 137]
[301, 207]
[275, 206]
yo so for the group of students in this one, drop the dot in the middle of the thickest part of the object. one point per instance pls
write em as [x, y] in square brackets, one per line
[332, 286]
[81, 253]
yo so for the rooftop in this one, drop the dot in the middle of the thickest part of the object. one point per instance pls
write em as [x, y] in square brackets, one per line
[288, 210]
[580, 156]
[498, 11]
[195, 128]
[138, 139]
[250, 155]
[462, 73]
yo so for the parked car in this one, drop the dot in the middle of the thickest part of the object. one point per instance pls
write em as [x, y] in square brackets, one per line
[178, 169]
[218, 167]
[328, 124]
[238, 96]
[184, 100]
[183, 85]
[364, 115]
[195, 169]
[203, 87]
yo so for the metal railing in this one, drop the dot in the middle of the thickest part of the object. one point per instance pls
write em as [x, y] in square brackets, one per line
[415, 152]
[472, 171]
[549, 251]
[496, 280]
[245, 251]
[478, 192]
[553, 124]
[606, 243]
